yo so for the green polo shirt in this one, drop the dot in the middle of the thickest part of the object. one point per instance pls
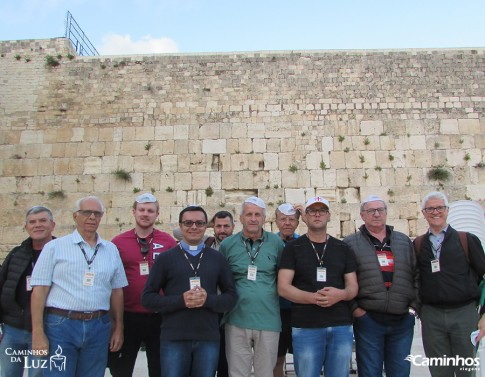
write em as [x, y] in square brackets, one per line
[257, 306]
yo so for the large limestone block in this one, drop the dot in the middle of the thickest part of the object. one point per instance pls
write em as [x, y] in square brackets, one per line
[147, 164]
[32, 137]
[371, 127]
[214, 146]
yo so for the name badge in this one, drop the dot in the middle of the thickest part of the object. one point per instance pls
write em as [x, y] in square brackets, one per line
[252, 271]
[28, 287]
[321, 274]
[382, 258]
[88, 279]
[194, 282]
[144, 269]
[435, 265]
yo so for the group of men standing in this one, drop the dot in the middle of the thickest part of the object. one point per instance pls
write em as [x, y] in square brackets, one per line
[74, 300]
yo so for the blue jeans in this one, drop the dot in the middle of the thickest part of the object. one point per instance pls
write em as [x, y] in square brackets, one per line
[184, 358]
[77, 348]
[378, 344]
[15, 340]
[330, 347]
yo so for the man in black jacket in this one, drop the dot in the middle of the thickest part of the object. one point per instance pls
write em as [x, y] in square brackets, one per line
[448, 290]
[15, 292]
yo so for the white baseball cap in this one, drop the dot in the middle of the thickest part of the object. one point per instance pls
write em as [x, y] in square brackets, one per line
[256, 201]
[146, 198]
[317, 199]
[373, 198]
[287, 209]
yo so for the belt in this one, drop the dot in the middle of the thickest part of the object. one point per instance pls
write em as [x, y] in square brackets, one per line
[80, 316]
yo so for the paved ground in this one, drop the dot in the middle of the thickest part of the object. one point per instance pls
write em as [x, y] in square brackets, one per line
[417, 349]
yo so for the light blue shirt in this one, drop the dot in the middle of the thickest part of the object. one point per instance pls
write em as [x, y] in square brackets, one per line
[62, 266]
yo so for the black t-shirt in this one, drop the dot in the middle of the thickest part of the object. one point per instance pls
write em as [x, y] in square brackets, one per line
[338, 260]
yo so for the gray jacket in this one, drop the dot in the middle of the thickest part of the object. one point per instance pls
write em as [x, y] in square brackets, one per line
[373, 295]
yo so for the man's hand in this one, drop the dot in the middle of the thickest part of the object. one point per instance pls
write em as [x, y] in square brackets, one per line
[116, 338]
[359, 312]
[195, 298]
[329, 296]
[40, 344]
[481, 328]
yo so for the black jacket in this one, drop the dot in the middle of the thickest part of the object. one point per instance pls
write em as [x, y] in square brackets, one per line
[17, 263]
[456, 283]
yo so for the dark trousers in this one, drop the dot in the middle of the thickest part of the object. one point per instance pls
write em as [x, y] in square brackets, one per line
[139, 327]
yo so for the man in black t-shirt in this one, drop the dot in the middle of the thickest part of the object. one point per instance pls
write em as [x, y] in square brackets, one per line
[317, 274]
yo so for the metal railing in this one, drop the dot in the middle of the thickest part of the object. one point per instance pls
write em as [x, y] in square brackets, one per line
[79, 40]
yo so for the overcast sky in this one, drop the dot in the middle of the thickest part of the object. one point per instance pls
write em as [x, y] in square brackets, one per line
[118, 27]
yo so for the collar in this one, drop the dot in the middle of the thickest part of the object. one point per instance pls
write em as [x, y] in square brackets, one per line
[77, 238]
[191, 249]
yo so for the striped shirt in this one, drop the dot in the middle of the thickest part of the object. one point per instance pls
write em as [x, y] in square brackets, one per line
[62, 265]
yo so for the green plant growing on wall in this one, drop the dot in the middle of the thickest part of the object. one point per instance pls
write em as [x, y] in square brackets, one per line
[408, 179]
[347, 149]
[58, 194]
[275, 186]
[481, 164]
[341, 138]
[377, 168]
[439, 174]
[343, 201]
[391, 157]
[152, 190]
[209, 191]
[390, 192]
[27, 59]
[323, 165]
[437, 144]
[169, 189]
[362, 158]
[70, 56]
[467, 157]
[136, 189]
[17, 57]
[366, 141]
[365, 176]
[122, 175]
[148, 146]
[293, 168]
[51, 61]
[59, 56]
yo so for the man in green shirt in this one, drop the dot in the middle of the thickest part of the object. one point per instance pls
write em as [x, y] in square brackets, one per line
[253, 326]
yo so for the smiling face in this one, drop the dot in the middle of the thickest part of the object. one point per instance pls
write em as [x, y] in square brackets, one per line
[145, 215]
[39, 227]
[436, 220]
[193, 234]
[286, 224]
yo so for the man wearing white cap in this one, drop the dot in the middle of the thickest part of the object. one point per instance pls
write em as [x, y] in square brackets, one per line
[253, 326]
[287, 220]
[139, 247]
[317, 273]
[386, 270]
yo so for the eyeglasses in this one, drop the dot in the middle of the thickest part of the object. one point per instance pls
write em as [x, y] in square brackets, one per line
[198, 223]
[372, 211]
[88, 213]
[144, 245]
[438, 209]
[313, 212]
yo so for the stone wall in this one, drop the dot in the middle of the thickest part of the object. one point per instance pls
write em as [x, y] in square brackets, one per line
[212, 129]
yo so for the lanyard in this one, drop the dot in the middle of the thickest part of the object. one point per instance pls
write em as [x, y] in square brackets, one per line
[89, 261]
[319, 258]
[190, 263]
[436, 250]
[144, 245]
[248, 250]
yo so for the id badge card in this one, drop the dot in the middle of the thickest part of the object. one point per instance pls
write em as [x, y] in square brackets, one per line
[252, 271]
[435, 265]
[382, 258]
[194, 282]
[321, 274]
[28, 287]
[88, 279]
[144, 269]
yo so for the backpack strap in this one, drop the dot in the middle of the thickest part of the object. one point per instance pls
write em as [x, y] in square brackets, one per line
[209, 241]
[418, 242]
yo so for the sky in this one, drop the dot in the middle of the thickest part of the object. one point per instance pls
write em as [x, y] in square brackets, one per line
[123, 27]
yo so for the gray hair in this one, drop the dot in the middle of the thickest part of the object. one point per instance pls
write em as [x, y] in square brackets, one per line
[378, 200]
[434, 195]
[244, 203]
[39, 209]
[92, 197]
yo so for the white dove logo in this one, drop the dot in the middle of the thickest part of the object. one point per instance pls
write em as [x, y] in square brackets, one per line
[412, 358]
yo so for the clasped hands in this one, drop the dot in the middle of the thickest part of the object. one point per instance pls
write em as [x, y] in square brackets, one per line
[195, 298]
[328, 296]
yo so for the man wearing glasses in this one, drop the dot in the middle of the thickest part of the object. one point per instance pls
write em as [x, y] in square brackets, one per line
[190, 275]
[139, 247]
[449, 276]
[386, 271]
[317, 273]
[77, 299]
[253, 326]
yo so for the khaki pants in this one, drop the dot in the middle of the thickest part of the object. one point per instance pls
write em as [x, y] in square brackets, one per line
[246, 348]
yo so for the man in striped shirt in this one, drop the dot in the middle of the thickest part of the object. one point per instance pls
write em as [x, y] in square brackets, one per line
[78, 280]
